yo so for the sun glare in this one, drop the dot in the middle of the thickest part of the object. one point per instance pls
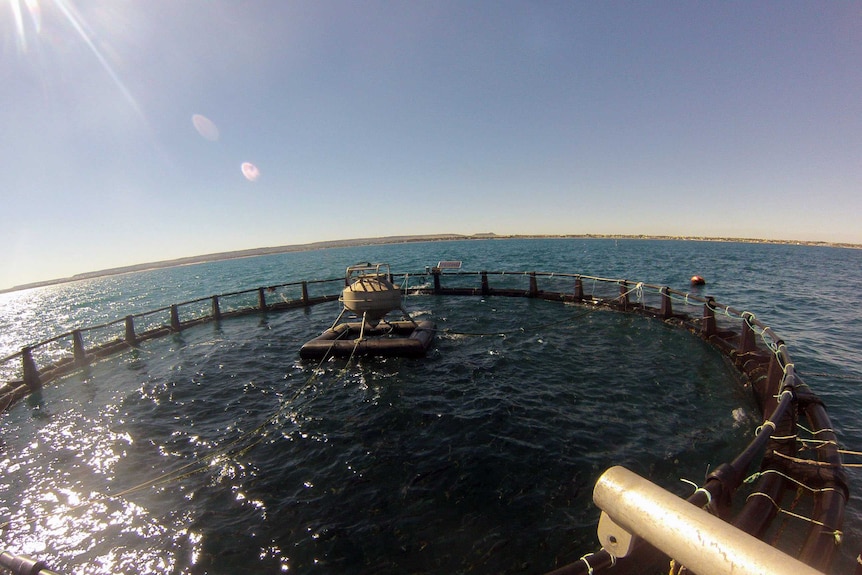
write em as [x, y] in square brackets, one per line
[27, 21]
[35, 15]
[74, 18]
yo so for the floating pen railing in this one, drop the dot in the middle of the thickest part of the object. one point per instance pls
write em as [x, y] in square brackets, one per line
[757, 352]
[36, 364]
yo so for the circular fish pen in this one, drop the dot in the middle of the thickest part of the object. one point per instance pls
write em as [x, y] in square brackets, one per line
[463, 483]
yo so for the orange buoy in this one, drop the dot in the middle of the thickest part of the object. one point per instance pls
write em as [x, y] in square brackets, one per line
[697, 281]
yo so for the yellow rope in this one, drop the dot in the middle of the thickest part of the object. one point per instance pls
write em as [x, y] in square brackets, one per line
[836, 533]
[752, 478]
[812, 462]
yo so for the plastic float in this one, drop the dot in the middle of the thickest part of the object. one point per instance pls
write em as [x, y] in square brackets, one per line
[371, 295]
[697, 281]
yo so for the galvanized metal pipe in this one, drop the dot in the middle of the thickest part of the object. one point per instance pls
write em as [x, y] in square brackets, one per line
[702, 542]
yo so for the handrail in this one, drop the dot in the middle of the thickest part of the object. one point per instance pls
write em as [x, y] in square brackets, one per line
[175, 323]
[702, 542]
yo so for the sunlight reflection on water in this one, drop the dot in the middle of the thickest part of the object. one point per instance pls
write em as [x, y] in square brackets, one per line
[380, 467]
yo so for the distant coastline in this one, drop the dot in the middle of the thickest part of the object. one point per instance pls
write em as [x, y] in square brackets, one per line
[393, 240]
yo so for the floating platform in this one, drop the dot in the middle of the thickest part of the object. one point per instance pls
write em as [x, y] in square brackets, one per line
[386, 339]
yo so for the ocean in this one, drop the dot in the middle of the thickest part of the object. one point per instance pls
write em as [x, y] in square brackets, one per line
[217, 450]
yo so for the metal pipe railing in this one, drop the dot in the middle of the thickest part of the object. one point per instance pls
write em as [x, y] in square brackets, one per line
[702, 542]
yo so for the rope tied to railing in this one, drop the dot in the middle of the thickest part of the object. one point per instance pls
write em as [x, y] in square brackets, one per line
[760, 427]
[590, 569]
[803, 461]
[698, 489]
[638, 290]
[837, 534]
[757, 475]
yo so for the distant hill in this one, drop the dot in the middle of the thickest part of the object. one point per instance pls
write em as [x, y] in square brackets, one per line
[387, 240]
[240, 254]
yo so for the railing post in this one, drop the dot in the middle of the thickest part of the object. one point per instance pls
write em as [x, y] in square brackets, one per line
[216, 309]
[666, 306]
[304, 293]
[747, 342]
[78, 348]
[534, 287]
[31, 372]
[175, 318]
[708, 326]
[131, 338]
[485, 289]
[579, 288]
[624, 295]
[436, 273]
[261, 299]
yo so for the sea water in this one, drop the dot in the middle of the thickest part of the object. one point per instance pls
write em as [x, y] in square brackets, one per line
[216, 450]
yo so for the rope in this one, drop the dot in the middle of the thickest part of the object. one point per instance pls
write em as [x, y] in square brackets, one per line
[590, 569]
[639, 289]
[698, 489]
[784, 438]
[812, 462]
[764, 424]
[705, 492]
[824, 430]
[755, 476]
[836, 533]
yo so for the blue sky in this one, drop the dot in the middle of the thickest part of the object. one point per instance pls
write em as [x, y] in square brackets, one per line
[739, 119]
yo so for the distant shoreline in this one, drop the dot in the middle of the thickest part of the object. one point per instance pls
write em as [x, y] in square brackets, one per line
[220, 256]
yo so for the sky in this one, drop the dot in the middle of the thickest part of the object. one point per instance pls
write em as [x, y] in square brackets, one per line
[134, 131]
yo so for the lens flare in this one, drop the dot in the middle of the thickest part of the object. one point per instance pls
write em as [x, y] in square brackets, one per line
[205, 127]
[250, 171]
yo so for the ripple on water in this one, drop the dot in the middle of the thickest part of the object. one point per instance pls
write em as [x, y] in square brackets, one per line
[481, 456]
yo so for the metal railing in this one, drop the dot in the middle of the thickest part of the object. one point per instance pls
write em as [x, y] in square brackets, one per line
[739, 334]
[40, 363]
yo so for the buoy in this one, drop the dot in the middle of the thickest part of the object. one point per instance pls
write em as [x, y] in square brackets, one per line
[697, 281]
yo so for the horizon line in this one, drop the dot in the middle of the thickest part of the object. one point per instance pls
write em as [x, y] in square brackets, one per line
[383, 240]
